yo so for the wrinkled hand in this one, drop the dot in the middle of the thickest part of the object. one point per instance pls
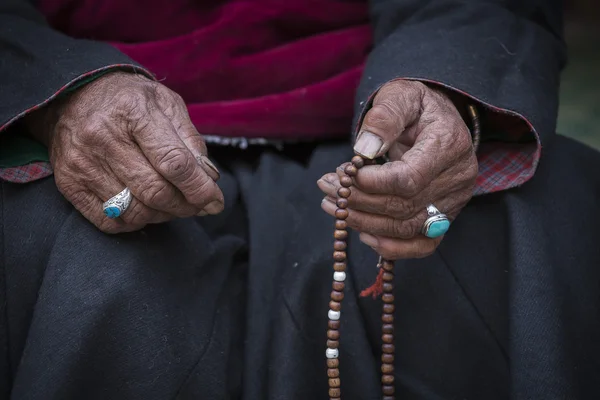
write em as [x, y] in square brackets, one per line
[432, 160]
[124, 130]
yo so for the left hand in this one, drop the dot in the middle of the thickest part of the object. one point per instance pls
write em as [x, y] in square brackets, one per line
[432, 161]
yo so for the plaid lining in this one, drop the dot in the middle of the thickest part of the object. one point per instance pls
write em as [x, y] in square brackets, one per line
[26, 173]
[502, 165]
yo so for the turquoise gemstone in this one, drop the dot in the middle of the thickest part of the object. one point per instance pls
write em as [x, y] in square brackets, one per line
[438, 228]
[112, 212]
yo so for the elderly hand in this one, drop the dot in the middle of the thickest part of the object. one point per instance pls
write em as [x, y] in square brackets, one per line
[124, 130]
[432, 161]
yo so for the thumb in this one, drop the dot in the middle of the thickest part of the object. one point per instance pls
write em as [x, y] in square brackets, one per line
[396, 106]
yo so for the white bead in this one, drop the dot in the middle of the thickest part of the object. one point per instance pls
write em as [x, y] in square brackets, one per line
[339, 276]
[332, 353]
[333, 315]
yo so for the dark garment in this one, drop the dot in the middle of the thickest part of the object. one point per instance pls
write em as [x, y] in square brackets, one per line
[506, 55]
[235, 305]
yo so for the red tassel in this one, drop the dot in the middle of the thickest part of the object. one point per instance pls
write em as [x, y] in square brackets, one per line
[376, 289]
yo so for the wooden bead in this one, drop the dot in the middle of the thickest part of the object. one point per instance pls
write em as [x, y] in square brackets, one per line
[388, 390]
[335, 325]
[387, 277]
[341, 213]
[333, 334]
[337, 296]
[342, 203]
[387, 368]
[346, 181]
[387, 358]
[339, 255]
[387, 298]
[333, 344]
[388, 348]
[387, 287]
[344, 192]
[340, 224]
[339, 286]
[339, 266]
[333, 362]
[387, 338]
[350, 170]
[388, 318]
[388, 266]
[340, 234]
[388, 308]
[335, 392]
[334, 382]
[387, 379]
[339, 245]
[387, 328]
[333, 372]
[358, 161]
[335, 305]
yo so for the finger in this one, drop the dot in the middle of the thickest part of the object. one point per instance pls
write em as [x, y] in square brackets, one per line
[386, 226]
[105, 186]
[411, 175]
[385, 205]
[395, 249]
[147, 185]
[88, 204]
[193, 140]
[171, 158]
[455, 190]
[396, 106]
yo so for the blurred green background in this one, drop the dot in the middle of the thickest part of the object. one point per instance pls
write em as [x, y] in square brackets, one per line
[579, 112]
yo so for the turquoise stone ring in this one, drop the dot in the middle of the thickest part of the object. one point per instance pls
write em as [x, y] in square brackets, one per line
[437, 224]
[117, 205]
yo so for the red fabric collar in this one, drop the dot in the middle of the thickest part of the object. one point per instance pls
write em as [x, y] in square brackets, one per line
[260, 68]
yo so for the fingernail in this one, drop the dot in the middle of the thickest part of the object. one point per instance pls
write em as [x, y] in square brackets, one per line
[368, 145]
[202, 213]
[214, 208]
[369, 240]
[323, 182]
[214, 172]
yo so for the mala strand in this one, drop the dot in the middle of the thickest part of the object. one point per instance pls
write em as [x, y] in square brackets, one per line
[384, 284]
[337, 294]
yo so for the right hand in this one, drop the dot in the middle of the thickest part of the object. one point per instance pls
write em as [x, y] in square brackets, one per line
[125, 130]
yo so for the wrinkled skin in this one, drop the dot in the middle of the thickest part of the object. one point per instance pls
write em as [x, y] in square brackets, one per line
[432, 160]
[125, 130]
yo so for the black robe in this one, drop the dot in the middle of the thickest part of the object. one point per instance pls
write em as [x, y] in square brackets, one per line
[235, 306]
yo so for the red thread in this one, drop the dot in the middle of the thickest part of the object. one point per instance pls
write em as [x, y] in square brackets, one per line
[376, 289]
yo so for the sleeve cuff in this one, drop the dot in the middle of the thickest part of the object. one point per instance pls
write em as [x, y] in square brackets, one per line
[19, 164]
[510, 147]
[76, 83]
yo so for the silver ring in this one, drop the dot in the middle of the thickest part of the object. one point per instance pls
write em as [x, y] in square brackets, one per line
[437, 224]
[118, 204]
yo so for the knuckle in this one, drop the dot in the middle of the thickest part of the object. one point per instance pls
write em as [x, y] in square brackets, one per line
[107, 226]
[202, 193]
[157, 195]
[412, 183]
[137, 214]
[381, 116]
[399, 208]
[174, 164]
[399, 228]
